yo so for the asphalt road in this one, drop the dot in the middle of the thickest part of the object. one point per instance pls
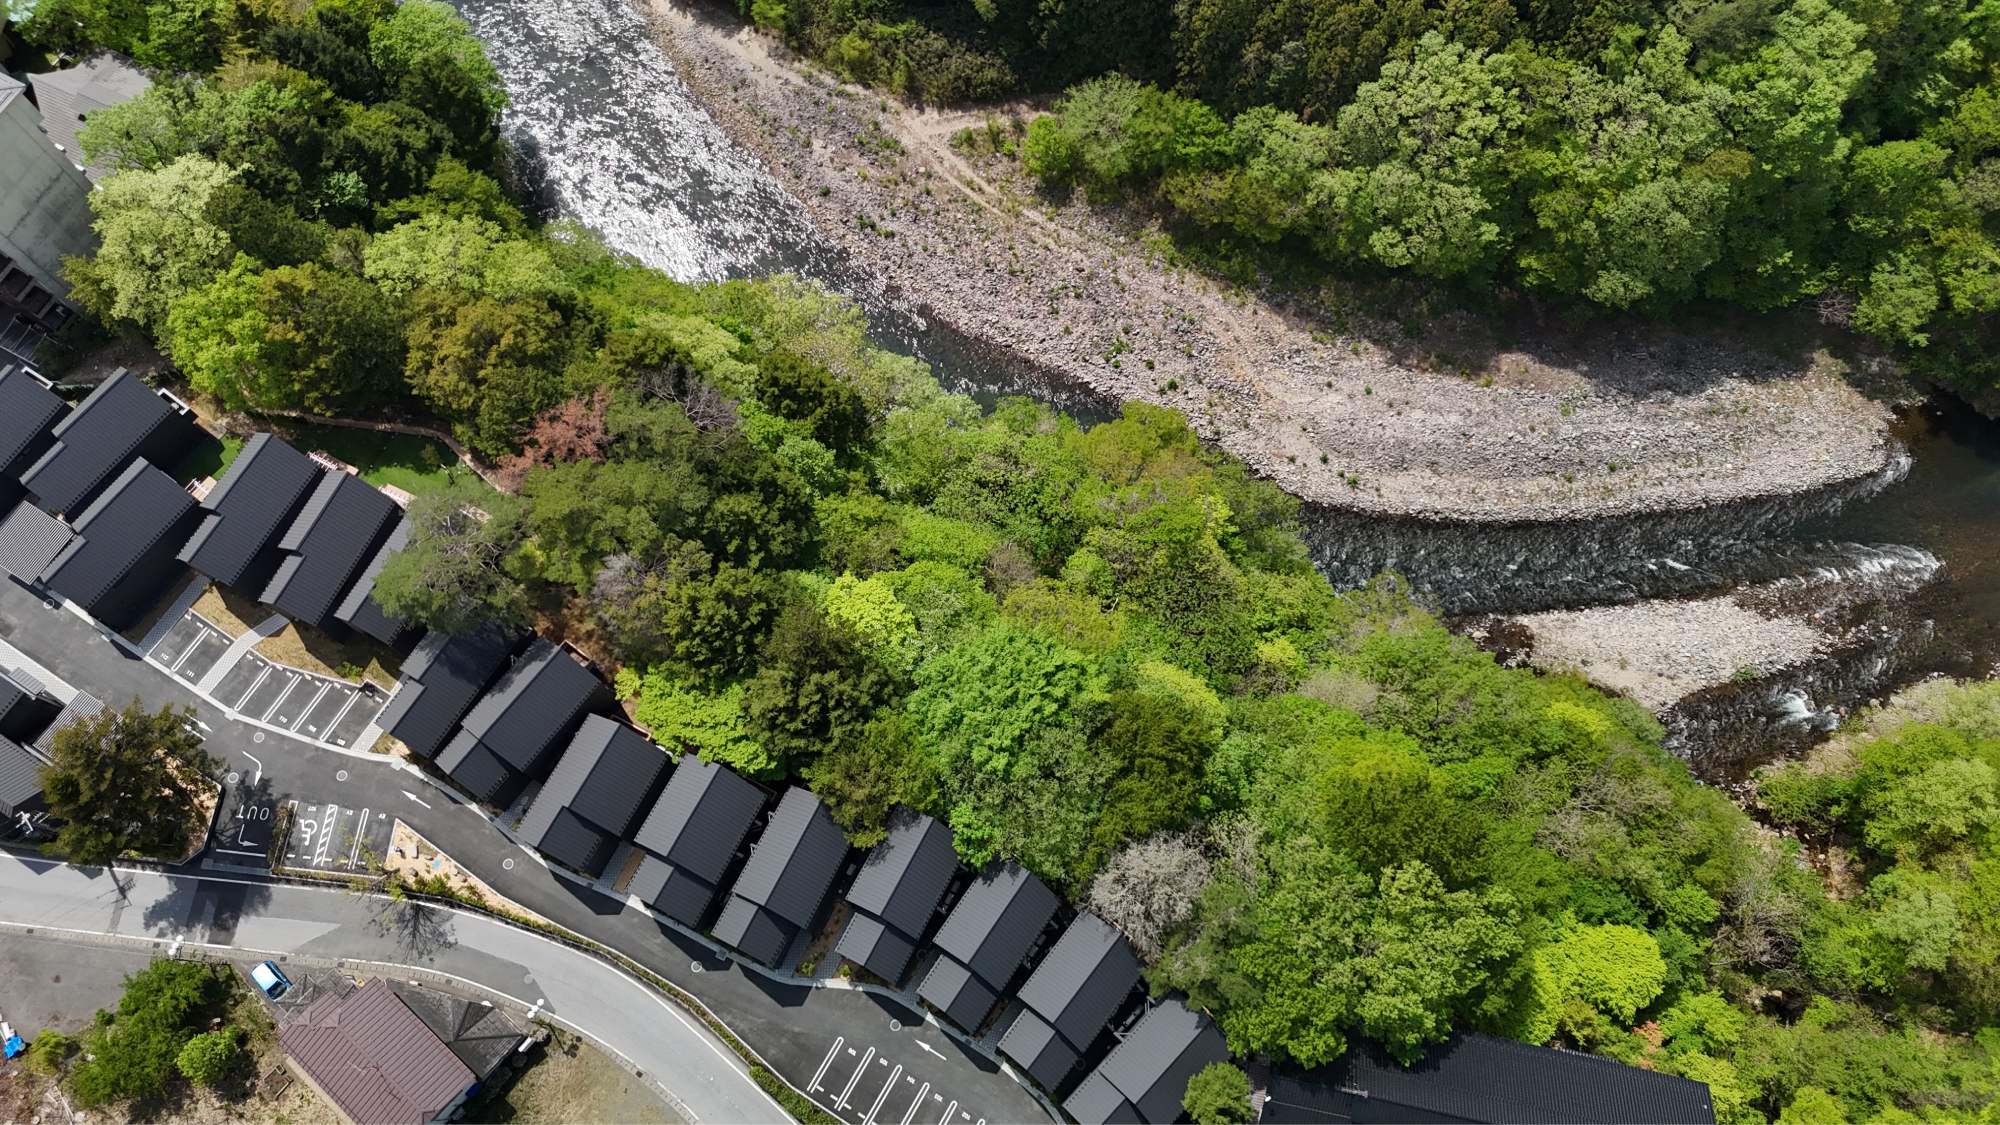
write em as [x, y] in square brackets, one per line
[803, 1032]
[56, 982]
[278, 921]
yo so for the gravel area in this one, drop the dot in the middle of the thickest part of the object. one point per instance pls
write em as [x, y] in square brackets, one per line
[1444, 416]
[1657, 652]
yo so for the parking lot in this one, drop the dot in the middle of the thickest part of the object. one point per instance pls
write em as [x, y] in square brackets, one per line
[190, 648]
[863, 1084]
[313, 706]
[332, 837]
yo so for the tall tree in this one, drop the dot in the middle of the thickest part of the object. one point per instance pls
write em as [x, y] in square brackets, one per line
[130, 782]
[454, 575]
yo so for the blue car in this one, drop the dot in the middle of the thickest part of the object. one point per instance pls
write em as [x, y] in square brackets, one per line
[269, 980]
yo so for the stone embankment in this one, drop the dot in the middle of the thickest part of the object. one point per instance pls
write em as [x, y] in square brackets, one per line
[1442, 416]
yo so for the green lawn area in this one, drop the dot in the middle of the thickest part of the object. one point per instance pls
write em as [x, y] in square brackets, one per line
[209, 459]
[416, 464]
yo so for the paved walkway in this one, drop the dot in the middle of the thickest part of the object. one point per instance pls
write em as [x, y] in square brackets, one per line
[702, 1076]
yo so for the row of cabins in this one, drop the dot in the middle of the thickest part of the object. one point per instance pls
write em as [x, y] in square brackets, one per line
[93, 515]
[992, 950]
[496, 713]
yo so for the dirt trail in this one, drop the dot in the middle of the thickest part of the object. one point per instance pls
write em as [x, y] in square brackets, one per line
[1443, 415]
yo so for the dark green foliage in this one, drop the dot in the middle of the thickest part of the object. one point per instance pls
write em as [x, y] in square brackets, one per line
[865, 776]
[133, 1053]
[129, 781]
[815, 687]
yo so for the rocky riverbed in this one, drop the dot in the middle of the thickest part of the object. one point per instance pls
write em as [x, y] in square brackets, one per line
[1658, 652]
[1440, 416]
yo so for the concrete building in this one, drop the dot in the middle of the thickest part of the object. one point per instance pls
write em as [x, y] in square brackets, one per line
[44, 216]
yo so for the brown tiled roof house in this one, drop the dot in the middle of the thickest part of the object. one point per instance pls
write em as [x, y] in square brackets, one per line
[377, 1061]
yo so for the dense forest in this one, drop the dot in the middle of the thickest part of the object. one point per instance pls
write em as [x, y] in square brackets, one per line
[1834, 153]
[1100, 650]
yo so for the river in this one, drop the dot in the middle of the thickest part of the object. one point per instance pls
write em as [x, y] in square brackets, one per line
[608, 134]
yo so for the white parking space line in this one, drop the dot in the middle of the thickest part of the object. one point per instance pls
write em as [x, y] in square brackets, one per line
[869, 1117]
[912, 1112]
[862, 1066]
[832, 1051]
[948, 1111]
[359, 828]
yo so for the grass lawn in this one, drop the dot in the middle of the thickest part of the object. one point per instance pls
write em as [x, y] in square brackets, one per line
[574, 1081]
[414, 464]
[209, 459]
[354, 659]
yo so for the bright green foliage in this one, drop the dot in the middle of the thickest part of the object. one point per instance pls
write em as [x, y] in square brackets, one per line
[50, 1050]
[209, 1057]
[710, 724]
[158, 242]
[869, 609]
[1218, 1094]
[1591, 973]
[129, 782]
[133, 1053]
[291, 338]
[980, 702]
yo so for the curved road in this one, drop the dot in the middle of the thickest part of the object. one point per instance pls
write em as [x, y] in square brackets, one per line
[705, 1078]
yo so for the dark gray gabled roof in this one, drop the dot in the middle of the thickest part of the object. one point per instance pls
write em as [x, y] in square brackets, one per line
[1481, 1078]
[876, 946]
[467, 761]
[441, 678]
[1152, 1064]
[795, 860]
[122, 419]
[359, 610]
[30, 539]
[481, 1035]
[1096, 1102]
[536, 703]
[343, 521]
[996, 922]
[28, 413]
[672, 891]
[1039, 1050]
[1083, 979]
[249, 507]
[952, 989]
[589, 803]
[26, 707]
[115, 534]
[20, 779]
[906, 874]
[701, 818]
[753, 931]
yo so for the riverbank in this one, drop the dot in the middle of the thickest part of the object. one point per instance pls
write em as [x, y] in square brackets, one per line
[1439, 419]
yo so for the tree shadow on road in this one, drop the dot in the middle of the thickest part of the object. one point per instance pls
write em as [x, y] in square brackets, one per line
[421, 931]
